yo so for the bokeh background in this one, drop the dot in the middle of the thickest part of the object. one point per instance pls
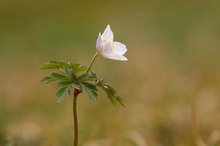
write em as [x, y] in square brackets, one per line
[170, 85]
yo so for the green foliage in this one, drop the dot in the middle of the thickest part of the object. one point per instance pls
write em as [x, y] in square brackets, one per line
[90, 89]
[58, 65]
[110, 92]
[63, 92]
[54, 65]
[70, 77]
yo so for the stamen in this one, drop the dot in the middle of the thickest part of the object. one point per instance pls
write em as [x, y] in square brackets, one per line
[113, 47]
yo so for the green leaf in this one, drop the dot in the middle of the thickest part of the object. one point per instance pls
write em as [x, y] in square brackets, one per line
[90, 89]
[119, 99]
[73, 84]
[77, 67]
[89, 85]
[110, 92]
[77, 85]
[53, 77]
[68, 73]
[62, 93]
[54, 65]
[46, 79]
[64, 83]
[87, 77]
[66, 78]
[82, 68]
[57, 75]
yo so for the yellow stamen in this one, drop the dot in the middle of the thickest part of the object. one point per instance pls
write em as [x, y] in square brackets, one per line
[113, 47]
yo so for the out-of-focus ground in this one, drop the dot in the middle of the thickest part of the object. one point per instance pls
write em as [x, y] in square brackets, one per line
[170, 85]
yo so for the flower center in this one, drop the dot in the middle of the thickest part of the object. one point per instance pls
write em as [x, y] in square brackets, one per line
[112, 47]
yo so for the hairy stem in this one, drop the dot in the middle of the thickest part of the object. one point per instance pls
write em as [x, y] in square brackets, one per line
[92, 61]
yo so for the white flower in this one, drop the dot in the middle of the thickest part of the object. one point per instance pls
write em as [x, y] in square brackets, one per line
[108, 48]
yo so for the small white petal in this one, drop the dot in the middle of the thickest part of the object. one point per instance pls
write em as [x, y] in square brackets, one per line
[99, 44]
[108, 34]
[114, 53]
[116, 57]
[119, 48]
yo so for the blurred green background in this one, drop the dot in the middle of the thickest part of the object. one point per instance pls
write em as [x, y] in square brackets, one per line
[170, 85]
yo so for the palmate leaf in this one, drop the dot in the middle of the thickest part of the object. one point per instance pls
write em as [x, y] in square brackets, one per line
[111, 93]
[67, 78]
[90, 89]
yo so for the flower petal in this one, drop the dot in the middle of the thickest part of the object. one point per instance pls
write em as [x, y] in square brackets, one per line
[107, 48]
[116, 57]
[111, 52]
[108, 35]
[119, 48]
[99, 43]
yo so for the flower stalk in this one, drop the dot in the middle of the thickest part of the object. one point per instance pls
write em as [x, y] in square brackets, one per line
[92, 62]
[75, 119]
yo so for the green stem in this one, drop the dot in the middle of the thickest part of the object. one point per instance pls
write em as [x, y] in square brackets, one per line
[75, 143]
[92, 61]
[76, 93]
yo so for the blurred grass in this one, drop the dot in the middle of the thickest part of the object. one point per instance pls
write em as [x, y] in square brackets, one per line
[174, 56]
